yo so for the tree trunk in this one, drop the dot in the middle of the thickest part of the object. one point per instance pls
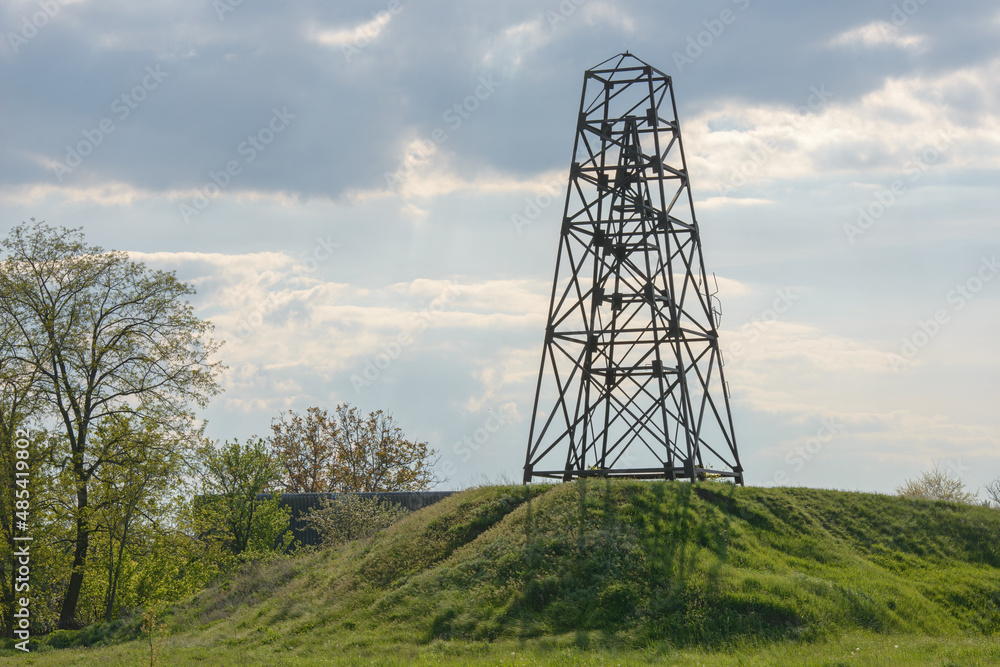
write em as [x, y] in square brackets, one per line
[246, 533]
[67, 617]
[113, 587]
[109, 593]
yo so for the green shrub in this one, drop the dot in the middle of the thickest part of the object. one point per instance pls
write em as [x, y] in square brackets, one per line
[343, 519]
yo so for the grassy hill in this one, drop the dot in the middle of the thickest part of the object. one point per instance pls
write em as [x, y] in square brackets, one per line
[640, 569]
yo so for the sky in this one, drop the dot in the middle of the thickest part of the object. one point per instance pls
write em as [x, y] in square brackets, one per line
[366, 197]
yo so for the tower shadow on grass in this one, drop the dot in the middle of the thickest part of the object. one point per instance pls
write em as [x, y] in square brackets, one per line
[623, 552]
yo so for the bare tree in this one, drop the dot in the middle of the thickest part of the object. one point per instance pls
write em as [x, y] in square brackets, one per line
[993, 493]
[350, 452]
[373, 455]
[306, 447]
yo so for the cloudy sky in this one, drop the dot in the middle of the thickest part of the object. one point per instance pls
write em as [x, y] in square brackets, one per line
[347, 185]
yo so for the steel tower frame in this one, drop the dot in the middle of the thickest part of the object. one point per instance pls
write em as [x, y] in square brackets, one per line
[631, 369]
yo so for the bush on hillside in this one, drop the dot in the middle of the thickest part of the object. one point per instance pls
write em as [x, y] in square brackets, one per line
[346, 518]
[937, 484]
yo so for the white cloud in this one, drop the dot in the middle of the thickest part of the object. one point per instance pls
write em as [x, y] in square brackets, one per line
[786, 367]
[955, 114]
[508, 367]
[358, 36]
[603, 14]
[413, 212]
[426, 171]
[507, 51]
[885, 442]
[112, 193]
[730, 288]
[720, 202]
[879, 33]
[286, 331]
[118, 193]
[802, 375]
[514, 45]
[273, 316]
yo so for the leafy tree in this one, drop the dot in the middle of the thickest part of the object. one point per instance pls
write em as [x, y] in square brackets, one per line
[937, 484]
[106, 337]
[340, 520]
[306, 446]
[132, 492]
[232, 512]
[350, 453]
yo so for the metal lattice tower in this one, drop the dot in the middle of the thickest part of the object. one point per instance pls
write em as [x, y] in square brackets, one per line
[631, 381]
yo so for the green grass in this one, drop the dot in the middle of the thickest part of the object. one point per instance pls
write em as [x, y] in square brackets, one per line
[610, 572]
[849, 650]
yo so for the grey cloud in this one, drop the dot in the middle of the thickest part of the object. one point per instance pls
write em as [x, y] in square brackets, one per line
[353, 118]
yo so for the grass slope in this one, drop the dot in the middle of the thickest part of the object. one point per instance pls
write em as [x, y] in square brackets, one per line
[623, 565]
